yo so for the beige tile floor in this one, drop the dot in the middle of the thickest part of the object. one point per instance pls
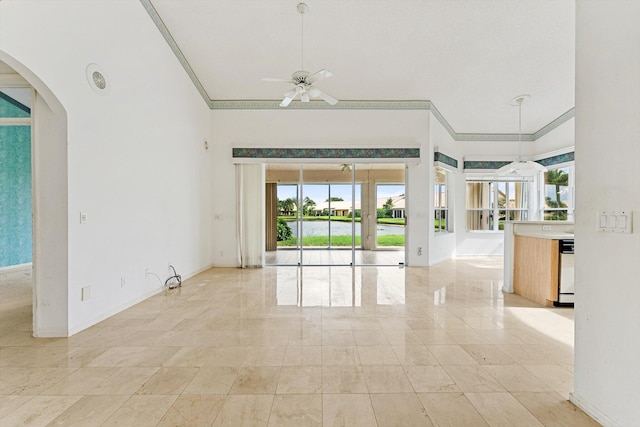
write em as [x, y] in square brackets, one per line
[283, 346]
[314, 256]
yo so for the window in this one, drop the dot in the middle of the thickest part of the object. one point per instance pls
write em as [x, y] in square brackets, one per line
[557, 195]
[491, 203]
[441, 206]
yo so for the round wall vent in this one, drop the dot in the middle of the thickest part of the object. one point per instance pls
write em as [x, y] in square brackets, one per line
[97, 79]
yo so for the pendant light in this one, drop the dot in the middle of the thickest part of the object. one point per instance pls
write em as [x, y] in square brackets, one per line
[521, 167]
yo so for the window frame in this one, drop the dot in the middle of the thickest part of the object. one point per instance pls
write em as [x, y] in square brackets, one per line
[439, 211]
[493, 208]
[570, 209]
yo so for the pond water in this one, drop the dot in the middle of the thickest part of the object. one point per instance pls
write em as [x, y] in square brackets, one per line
[339, 228]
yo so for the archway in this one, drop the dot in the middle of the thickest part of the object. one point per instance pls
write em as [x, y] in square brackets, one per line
[49, 204]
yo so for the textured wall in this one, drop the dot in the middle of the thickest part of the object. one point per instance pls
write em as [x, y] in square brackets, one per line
[15, 195]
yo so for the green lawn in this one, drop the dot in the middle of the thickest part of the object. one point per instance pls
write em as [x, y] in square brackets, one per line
[392, 221]
[389, 240]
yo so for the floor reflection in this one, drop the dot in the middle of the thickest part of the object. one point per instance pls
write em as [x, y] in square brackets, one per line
[335, 257]
[339, 286]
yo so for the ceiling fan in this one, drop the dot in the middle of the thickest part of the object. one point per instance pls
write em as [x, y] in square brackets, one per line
[303, 81]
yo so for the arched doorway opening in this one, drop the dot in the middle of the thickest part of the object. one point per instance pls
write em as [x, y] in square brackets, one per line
[48, 122]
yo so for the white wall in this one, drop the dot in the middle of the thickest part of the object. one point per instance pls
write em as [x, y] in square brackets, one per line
[50, 202]
[136, 162]
[607, 151]
[315, 129]
[442, 246]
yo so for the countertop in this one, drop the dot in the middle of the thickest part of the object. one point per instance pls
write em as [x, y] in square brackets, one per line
[546, 235]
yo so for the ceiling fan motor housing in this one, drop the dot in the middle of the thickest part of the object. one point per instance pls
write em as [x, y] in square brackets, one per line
[300, 77]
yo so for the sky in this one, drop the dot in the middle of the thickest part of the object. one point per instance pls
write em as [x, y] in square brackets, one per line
[320, 192]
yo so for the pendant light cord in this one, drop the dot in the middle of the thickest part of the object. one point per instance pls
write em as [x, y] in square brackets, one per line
[302, 41]
[520, 129]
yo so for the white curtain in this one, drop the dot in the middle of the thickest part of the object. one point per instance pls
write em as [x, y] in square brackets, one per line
[250, 207]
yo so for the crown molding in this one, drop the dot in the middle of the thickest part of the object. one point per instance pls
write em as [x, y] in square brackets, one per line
[425, 105]
[155, 17]
[259, 104]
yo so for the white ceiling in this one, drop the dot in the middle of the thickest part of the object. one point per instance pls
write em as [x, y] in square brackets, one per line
[469, 57]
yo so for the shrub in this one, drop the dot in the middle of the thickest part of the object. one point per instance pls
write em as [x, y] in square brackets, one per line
[283, 230]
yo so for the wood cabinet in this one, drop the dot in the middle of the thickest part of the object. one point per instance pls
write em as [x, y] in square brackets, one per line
[535, 274]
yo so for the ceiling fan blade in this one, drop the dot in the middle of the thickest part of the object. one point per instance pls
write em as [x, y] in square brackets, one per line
[319, 75]
[326, 97]
[288, 97]
[304, 97]
[272, 79]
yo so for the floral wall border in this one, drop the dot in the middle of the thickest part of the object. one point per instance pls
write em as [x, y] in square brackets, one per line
[326, 153]
[443, 158]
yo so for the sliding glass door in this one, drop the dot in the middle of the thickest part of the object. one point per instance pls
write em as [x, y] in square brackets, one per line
[327, 214]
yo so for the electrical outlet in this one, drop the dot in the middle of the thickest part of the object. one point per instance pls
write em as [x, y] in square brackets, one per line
[85, 293]
[546, 228]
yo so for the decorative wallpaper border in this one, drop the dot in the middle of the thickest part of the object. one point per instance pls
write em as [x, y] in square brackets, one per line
[484, 164]
[327, 153]
[343, 104]
[560, 158]
[443, 158]
[496, 164]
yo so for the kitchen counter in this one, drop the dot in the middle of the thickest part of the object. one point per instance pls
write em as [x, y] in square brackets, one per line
[535, 268]
[543, 230]
[546, 235]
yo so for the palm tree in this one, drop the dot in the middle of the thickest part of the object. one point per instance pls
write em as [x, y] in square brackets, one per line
[307, 206]
[558, 178]
[286, 206]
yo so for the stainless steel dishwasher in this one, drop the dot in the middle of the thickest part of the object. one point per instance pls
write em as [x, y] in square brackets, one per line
[566, 281]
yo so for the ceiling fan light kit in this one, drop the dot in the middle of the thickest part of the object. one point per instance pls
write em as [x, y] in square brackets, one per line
[303, 80]
[520, 167]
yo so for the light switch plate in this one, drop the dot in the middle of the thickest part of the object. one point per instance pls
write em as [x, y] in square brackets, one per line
[618, 221]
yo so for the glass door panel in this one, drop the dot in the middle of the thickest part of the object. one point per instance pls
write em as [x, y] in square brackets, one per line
[314, 216]
[287, 226]
[327, 206]
[390, 216]
[342, 226]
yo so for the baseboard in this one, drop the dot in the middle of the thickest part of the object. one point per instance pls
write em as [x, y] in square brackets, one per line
[592, 411]
[128, 304]
[195, 273]
[51, 333]
[10, 268]
[81, 327]
[54, 333]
